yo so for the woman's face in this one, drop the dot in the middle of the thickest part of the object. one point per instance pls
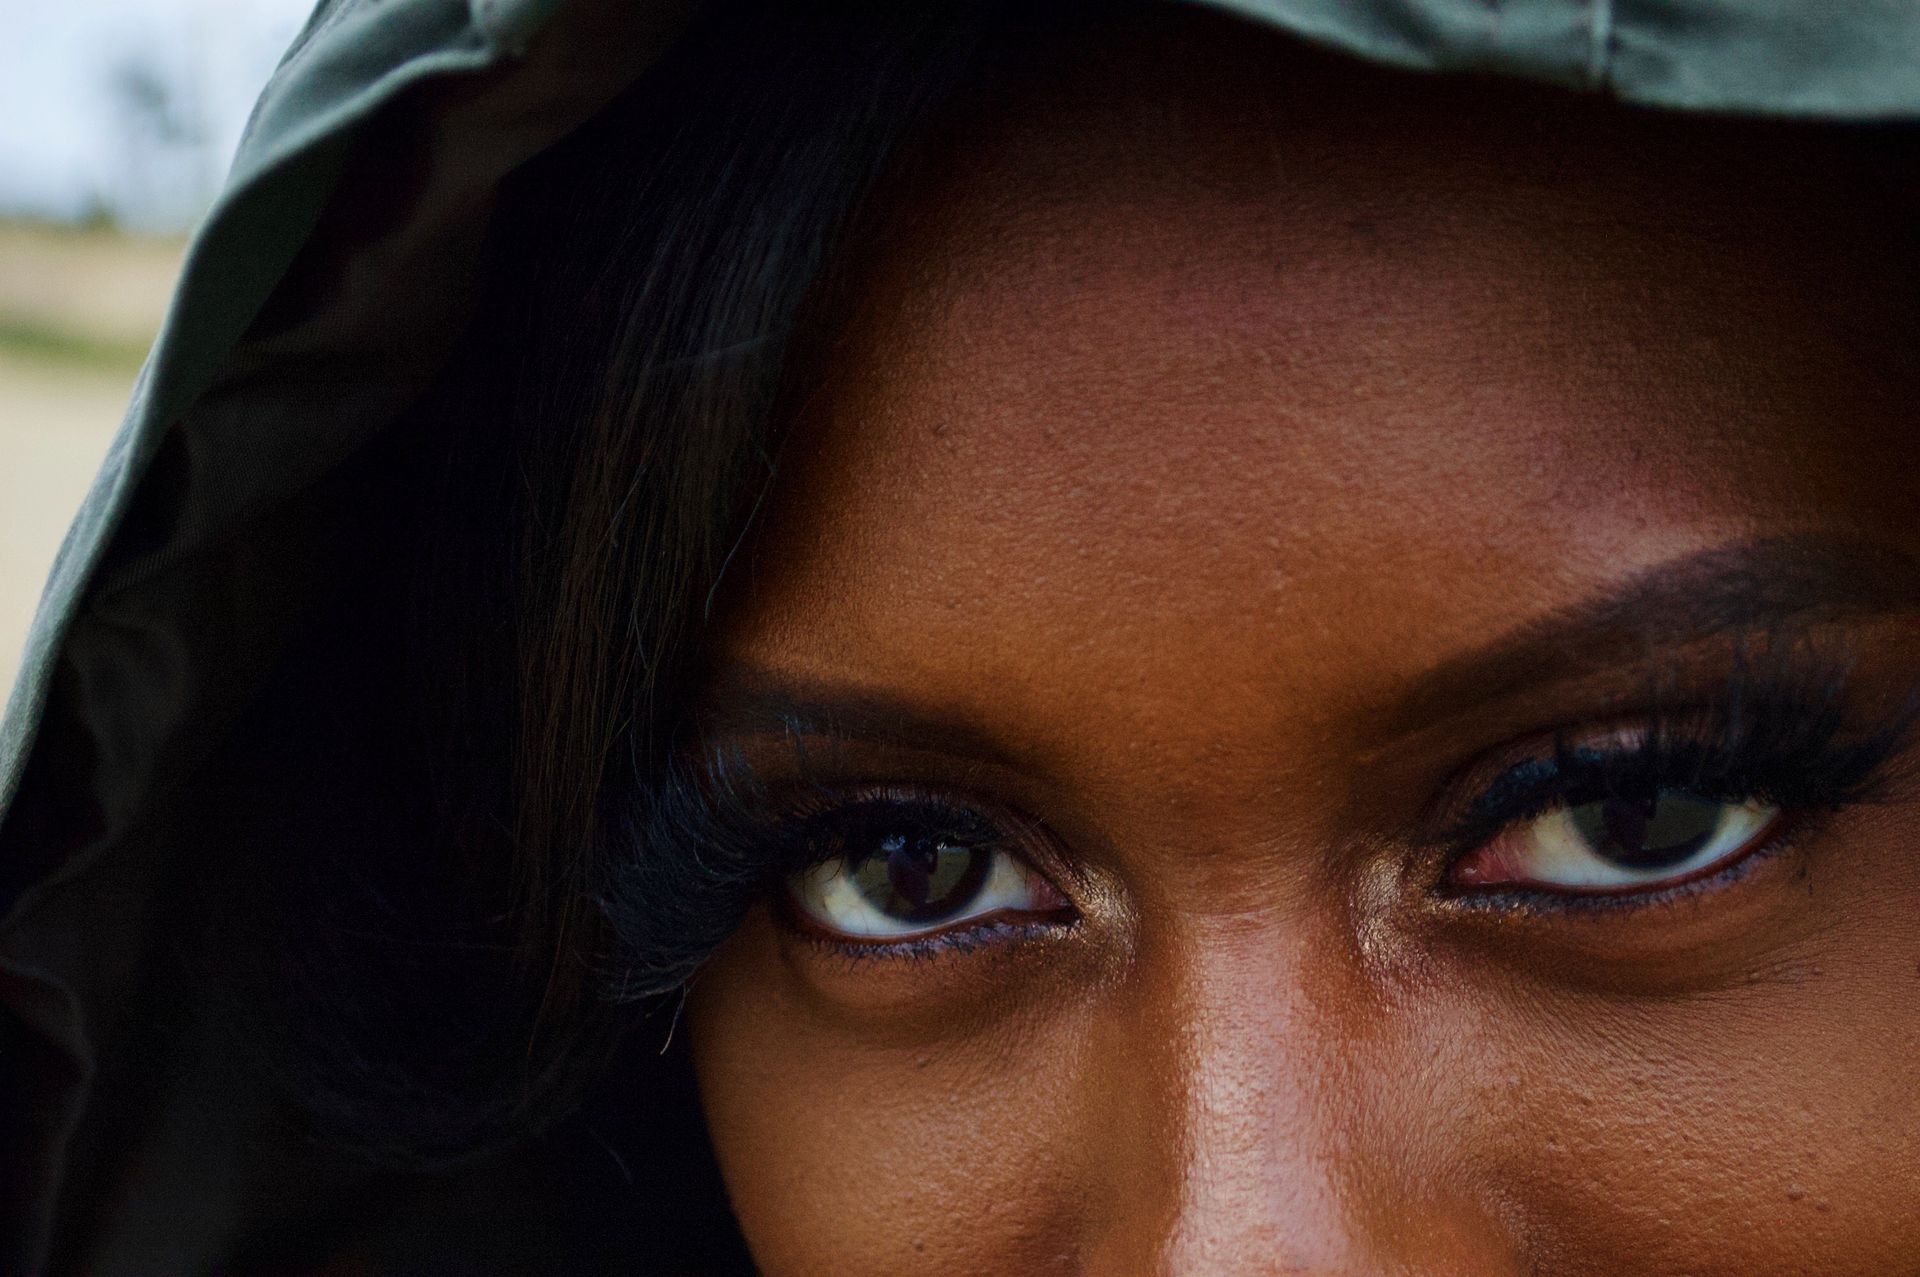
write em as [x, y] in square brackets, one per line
[1336, 638]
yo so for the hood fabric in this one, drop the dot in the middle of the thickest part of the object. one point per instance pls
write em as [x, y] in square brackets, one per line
[319, 299]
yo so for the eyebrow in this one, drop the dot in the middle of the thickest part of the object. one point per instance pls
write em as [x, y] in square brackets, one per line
[1757, 586]
[750, 701]
[1749, 587]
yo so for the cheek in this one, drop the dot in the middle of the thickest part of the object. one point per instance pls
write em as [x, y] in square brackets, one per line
[847, 1152]
[1765, 1141]
[1044, 1118]
[1765, 1125]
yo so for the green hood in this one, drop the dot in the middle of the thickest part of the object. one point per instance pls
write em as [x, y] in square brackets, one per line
[319, 300]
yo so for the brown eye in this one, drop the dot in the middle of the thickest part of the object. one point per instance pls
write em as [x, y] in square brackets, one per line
[912, 882]
[920, 877]
[1650, 834]
[1616, 843]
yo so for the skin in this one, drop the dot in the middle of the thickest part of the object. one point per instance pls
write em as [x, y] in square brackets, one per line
[1231, 454]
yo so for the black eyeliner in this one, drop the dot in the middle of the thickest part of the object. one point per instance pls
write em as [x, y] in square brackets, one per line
[1777, 730]
[711, 838]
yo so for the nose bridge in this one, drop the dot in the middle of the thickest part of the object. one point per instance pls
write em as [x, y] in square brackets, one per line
[1235, 1076]
[1258, 1184]
[1270, 1111]
[1260, 1127]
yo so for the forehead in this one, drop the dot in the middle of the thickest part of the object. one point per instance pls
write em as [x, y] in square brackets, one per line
[1208, 374]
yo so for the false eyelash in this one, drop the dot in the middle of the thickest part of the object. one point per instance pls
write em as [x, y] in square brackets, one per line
[724, 807]
[691, 861]
[802, 841]
[705, 843]
[1779, 734]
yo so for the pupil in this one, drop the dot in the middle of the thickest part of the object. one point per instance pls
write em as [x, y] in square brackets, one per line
[1655, 832]
[921, 877]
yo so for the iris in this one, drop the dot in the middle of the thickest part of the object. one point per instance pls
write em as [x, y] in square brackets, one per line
[920, 877]
[1657, 831]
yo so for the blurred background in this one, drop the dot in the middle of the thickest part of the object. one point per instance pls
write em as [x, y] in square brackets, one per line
[117, 122]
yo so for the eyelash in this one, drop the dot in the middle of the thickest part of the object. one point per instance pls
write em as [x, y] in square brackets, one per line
[957, 940]
[803, 841]
[713, 839]
[1779, 736]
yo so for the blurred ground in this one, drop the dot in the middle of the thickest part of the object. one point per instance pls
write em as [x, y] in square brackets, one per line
[78, 309]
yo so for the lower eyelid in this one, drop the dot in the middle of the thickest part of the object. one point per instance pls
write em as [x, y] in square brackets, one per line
[957, 940]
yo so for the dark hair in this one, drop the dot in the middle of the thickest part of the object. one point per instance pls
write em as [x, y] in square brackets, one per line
[437, 818]
[675, 347]
[468, 886]
[461, 885]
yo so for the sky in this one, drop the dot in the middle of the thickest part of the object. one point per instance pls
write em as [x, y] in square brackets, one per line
[130, 107]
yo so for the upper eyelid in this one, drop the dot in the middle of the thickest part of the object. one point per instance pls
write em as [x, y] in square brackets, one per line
[1525, 796]
[1566, 768]
[992, 826]
[1760, 593]
[982, 833]
[1782, 666]
[1554, 778]
[772, 806]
